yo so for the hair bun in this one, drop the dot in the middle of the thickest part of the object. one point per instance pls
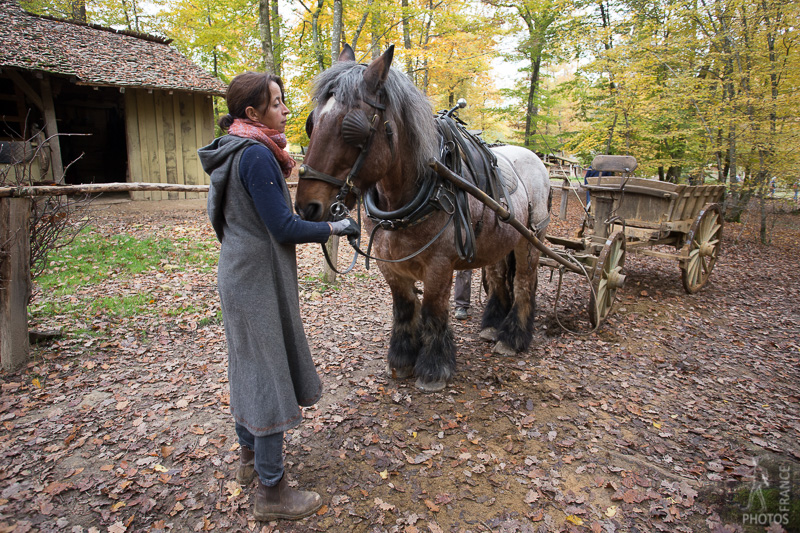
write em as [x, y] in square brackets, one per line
[225, 121]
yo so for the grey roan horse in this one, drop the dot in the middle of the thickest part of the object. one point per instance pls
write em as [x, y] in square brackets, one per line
[373, 132]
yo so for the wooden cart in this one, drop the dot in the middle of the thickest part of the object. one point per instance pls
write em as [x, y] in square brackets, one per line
[626, 213]
[635, 214]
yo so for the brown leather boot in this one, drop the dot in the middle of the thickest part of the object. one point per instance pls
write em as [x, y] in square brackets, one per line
[282, 502]
[246, 471]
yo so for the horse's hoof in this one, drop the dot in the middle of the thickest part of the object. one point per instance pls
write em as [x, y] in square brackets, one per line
[401, 373]
[489, 334]
[431, 386]
[502, 348]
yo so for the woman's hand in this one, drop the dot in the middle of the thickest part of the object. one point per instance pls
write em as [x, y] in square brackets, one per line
[348, 227]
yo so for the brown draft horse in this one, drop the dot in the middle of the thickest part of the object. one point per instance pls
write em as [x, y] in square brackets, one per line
[373, 131]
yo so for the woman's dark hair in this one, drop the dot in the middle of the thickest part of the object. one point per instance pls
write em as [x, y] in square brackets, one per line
[245, 90]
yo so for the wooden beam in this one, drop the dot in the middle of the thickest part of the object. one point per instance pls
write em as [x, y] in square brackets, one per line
[20, 82]
[94, 188]
[51, 130]
[97, 188]
[15, 280]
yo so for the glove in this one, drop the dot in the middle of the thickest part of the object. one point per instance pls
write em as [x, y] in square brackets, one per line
[348, 227]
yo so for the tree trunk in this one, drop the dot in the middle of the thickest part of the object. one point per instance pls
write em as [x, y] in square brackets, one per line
[407, 39]
[375, 33]
[424, 41]
[265, 32]
[673, 174]
[336, 30]
[315, 38]
[277, 45]
[78, 8]
[361, 25]
[532, 109]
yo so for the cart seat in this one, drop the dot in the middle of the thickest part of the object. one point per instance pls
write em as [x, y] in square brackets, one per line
[615, 163]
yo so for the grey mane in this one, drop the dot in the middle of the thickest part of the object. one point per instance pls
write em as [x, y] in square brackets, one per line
[406, 107]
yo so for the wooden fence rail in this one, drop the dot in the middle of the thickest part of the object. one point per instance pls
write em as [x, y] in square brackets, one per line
[99, 188]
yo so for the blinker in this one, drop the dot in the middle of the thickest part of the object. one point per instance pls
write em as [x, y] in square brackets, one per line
[310, 124]
[356, 128]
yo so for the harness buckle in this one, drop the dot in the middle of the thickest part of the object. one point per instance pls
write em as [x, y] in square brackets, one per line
[444, 199]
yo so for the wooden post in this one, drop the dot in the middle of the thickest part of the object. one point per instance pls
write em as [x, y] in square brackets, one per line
[565, 186]
[51, 130]
[328, 274]
[15, 280]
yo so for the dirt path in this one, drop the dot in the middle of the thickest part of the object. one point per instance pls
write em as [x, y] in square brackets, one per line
[652, 423]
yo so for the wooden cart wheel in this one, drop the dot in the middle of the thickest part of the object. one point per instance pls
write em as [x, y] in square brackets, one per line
[607, 278]
[703, 240]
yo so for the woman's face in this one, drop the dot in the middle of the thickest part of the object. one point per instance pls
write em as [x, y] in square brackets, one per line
[273, 113]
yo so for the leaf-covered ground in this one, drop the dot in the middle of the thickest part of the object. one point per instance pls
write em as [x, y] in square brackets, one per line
[652, 423]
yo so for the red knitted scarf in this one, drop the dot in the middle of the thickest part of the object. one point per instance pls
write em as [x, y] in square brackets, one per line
[272, 139]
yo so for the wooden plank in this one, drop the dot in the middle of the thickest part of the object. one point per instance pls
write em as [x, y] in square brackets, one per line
[132, 138]
[614, 182]
[15, 281]
[51, 131]
[188, 136]
[172, 126]
[161, 147]
[631, 189]
[204, 130]
[150, 140]
[141, 117]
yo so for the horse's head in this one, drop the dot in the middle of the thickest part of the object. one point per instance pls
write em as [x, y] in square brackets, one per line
[356, 132]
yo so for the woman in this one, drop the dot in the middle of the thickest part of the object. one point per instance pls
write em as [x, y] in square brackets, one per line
[270, 369]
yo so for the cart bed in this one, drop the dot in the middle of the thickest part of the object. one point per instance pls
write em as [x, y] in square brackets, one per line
[651, 204]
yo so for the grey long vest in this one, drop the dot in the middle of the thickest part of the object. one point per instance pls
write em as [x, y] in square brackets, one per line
[270, 369]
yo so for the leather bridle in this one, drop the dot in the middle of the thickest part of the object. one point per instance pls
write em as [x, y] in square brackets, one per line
[357, 130]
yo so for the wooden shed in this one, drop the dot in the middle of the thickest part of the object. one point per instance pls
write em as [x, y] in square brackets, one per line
[108, 105]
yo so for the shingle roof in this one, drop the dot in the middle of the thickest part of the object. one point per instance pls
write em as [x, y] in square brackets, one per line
[97, 56]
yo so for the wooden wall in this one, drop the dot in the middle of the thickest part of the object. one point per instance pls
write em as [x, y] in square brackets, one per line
[164, 131]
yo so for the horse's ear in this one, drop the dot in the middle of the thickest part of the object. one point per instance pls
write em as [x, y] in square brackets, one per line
[378, 70]
[347, 53]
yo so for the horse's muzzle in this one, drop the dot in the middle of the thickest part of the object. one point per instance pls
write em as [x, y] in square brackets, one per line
[312, 211]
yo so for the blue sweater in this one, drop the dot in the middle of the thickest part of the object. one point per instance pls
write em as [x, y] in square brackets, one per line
[261, 176]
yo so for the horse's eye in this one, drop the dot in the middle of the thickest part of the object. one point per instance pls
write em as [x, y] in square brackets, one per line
[310, 124]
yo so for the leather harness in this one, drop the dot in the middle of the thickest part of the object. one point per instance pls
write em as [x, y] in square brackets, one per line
[457, 148]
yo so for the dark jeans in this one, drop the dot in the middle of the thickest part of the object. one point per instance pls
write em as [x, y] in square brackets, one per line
[268, 454]
[461, 295]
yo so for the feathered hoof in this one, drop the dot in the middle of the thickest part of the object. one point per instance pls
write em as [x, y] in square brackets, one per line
[401, 373]
[502, 348]
[431, 386]
[489, 334]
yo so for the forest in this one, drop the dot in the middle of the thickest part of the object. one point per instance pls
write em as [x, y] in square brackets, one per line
[696, 90]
